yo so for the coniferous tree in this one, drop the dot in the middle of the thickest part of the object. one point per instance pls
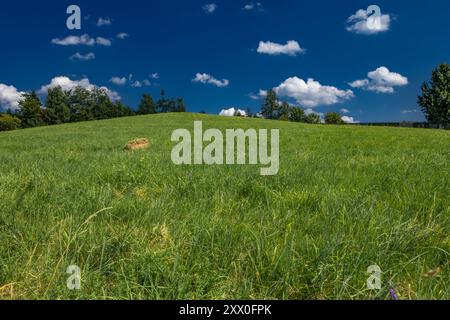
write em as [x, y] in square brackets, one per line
[162, 105]
[171, 105]
[122, 110]
[270, 105]
[146, 106]
[181, 106]
[30, 111]
[56, 109]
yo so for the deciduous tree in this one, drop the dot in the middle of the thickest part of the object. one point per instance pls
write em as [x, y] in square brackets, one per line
[435, 98]
[333, 118]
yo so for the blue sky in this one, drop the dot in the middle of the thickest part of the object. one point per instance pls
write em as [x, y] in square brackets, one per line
[234, 49]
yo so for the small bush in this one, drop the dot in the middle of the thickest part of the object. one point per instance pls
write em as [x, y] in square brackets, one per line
[8, 122]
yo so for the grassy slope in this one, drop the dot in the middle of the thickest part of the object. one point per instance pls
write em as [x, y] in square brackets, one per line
[345, 198]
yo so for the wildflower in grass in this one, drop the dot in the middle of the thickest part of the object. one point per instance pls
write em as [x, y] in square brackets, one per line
[392, 293]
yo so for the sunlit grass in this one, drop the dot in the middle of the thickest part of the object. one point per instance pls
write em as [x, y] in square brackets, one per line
[140, 227]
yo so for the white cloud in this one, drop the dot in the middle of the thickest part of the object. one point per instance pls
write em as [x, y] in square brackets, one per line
[232, 112]
[75, 41]
[343, 110]
[122, 35]
[362, 23]
[121, 81]
[83, 57]
[9, 97]
[136, 84]
[381, 80]
[309, 111]
[85, 40]
[350, 120]
[359, 83]
[208, 79]
[291, 48]
[103, 22]
[253, 6]
[210, 8]
[67, 84]
[383, 77]
[261, 94]
[103, 42]
[408, 111]
[154, 75]
[311, 93]
[118, 81]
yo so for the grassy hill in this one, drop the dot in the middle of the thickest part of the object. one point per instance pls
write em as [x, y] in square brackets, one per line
[140, 227]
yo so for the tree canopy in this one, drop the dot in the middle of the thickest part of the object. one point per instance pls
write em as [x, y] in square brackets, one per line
[80, 104]
[333, 118]
[435, 98]
[30, 110]
[273, 109]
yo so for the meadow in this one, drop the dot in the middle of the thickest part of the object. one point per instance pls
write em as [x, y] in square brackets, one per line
[140, 227]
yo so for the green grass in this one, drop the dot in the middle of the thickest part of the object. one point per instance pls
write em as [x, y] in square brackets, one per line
[140, 227]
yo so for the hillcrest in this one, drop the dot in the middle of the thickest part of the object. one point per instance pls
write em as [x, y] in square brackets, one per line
[237, 147]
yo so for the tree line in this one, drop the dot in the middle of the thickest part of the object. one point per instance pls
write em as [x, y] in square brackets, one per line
[434, 102]
[80, 104]
[273, 109]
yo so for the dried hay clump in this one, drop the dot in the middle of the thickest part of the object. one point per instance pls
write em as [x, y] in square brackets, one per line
[138, 144]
